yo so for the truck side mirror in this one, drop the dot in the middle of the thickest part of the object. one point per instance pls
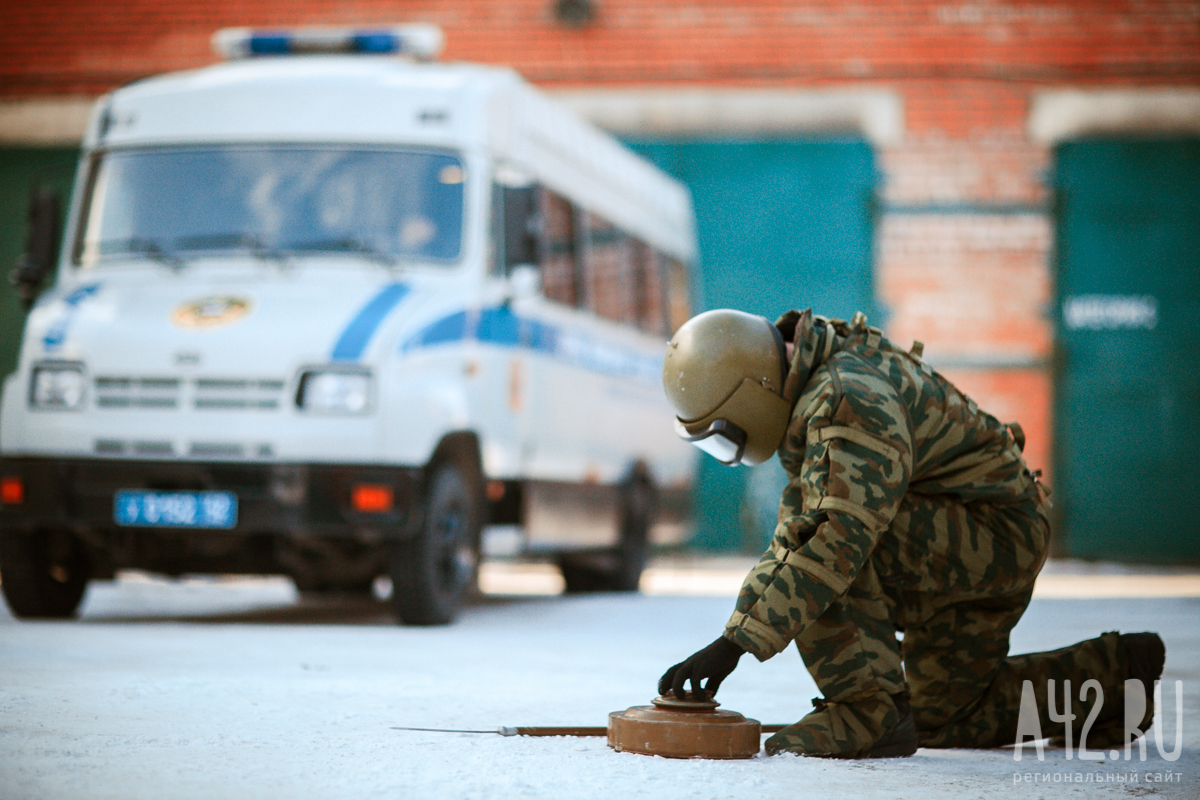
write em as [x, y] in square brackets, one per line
[41, 244]
[520, 226]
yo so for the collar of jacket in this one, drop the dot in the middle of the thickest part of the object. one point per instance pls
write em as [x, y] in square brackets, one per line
[814, 339]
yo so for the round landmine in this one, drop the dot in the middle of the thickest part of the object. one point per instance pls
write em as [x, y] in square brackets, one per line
[683, 728]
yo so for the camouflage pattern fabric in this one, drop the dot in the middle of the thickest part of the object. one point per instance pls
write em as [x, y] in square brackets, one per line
[908, 508]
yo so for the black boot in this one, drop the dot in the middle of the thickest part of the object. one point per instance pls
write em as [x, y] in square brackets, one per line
[900, 740]
[1145, 656]
[854, 719]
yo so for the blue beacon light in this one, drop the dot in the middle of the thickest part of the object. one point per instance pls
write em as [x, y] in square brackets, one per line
[422, 42]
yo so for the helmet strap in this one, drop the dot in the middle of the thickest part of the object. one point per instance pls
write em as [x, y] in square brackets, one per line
[827, 345]
[781, 347]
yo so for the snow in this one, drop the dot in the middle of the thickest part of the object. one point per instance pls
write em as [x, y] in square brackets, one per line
[235, 688]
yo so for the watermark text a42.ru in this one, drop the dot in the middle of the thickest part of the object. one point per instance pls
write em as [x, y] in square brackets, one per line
[1060, 711]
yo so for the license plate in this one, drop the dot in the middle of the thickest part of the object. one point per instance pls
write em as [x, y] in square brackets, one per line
[146, 508]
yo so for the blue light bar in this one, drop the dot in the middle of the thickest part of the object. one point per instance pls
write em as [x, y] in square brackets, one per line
[422, 42]
[263, 44]
[376, 42]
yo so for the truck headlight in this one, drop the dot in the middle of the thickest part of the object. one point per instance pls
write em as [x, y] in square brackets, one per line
[335, 391]
[57, 386]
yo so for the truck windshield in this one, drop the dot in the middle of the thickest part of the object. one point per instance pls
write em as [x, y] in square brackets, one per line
[274, 201]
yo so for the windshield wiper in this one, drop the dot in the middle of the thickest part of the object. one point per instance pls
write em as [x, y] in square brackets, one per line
[230, 241]
[135, 245]
[346, 245]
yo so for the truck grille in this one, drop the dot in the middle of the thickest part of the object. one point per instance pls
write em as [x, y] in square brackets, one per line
[202, 394]
[237, 394]
[112, 392]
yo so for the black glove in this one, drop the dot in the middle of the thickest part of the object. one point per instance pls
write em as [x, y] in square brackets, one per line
[714, 662]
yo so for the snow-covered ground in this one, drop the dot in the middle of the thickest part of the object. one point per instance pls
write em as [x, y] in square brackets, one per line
[213, 689]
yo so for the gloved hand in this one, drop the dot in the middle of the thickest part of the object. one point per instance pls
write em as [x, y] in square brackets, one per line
[714, 662]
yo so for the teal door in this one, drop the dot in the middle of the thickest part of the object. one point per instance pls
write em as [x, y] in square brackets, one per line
[23, 170]
[781, 224]
[1127, 406]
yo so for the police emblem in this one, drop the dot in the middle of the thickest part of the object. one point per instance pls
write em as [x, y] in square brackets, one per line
[210, 312]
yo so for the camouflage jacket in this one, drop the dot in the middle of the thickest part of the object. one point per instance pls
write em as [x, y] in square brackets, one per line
[870, 423]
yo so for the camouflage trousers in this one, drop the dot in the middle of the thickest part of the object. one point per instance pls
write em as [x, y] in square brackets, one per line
[955, 579]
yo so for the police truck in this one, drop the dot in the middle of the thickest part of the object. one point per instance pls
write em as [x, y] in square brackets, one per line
[333, 309]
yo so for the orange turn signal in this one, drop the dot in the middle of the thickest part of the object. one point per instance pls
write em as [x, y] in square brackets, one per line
[372, 497]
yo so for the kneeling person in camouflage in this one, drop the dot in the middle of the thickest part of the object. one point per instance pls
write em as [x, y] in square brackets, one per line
[907, 509]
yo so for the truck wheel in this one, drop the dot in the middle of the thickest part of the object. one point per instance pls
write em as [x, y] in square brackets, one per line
[43, 575]
[618, 569]
[433, 572]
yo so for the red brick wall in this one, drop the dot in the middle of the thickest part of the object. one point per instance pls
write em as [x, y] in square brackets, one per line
[973, 285]
[964, 242]
[80, 46]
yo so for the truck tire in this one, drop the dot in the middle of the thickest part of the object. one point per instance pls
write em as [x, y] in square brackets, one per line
[434, 571]
[43, 575]
[619, 569]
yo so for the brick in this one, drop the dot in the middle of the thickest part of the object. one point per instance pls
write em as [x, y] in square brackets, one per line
[968, 285]
[998, 170]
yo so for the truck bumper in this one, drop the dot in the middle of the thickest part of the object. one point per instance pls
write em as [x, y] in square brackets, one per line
[276, 499]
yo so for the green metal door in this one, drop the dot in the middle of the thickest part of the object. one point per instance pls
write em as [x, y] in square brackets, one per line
[21, 171]
[781, 224]
[1127, 406]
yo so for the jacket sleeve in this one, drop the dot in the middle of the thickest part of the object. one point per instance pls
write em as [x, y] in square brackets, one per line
[848, 454]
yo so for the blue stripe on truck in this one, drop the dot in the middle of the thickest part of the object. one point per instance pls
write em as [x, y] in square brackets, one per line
[56, 333]
[354, 339]
[500, 327]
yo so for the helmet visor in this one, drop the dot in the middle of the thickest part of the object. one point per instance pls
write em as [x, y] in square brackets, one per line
[720, 438]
